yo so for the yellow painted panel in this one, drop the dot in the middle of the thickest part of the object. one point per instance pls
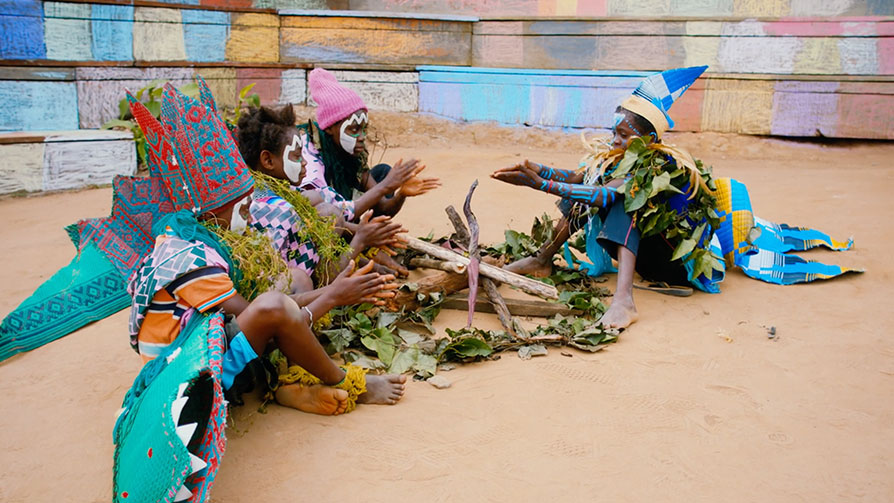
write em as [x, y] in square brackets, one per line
[158, 35]
[375, 46]
[818, 55]
[356, 23]
[738, 106]
[22, 167]
[761, 8]
[254, 44]
[253, 19]
[701, 51]
[566, 7]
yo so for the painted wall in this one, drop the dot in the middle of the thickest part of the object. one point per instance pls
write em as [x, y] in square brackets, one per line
[375, 41]
[586, 99]
[802, 47]
[31, 29]
[64, 160]
[635, 8]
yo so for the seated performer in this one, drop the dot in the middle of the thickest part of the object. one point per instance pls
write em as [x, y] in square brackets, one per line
[336, 154]
[272, 145]
[661, 212]
[190, 273]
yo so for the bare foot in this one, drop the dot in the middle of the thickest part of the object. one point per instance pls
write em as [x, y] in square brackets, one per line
[621, 314]
[531, 265]
[383, 390]
[316, 399]
[385, 260]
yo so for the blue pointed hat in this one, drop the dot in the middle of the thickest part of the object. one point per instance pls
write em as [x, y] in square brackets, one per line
[656, 93]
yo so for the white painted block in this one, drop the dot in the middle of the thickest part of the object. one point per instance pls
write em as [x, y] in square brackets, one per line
[21, 167]
[87, 159]
[294, 87]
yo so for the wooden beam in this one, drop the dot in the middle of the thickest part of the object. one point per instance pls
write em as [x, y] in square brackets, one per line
[517, 307]
[527, 285]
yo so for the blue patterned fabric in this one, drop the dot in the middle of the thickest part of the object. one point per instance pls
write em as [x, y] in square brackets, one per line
[662, 89]
[88, 289]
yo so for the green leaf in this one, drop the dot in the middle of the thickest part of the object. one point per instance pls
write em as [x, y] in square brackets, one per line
[244, 91]
[339, 338]
[403, 361]
[129, 125]
[382, 343]
[123, 108]
[661, 183]
[469, 347]
[191, 89]
[637, 202]
[683, 248]
[386, 319]
[636, 146]
[154, 108]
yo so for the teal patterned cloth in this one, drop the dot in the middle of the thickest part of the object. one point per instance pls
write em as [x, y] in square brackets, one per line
[88, 289]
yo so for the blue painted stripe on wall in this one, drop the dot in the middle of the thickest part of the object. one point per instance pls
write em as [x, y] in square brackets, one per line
[112, 28]
[21, 30]
[38, 106]
[205, 34]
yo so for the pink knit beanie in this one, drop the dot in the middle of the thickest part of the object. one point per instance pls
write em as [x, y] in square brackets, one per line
[334, 101]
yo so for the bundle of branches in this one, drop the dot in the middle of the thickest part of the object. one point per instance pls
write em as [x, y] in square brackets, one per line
[262, 267]
[321, 230]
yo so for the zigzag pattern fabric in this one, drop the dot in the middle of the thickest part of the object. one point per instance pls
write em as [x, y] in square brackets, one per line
[759, 247]
[212, 172]
[159, 154]
[662, 89]
[88, 289]
[153, 461]
[171, 258]
[275, 217]
[126, 235]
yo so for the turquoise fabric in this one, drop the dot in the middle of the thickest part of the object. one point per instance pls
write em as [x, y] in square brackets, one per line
[88, 289]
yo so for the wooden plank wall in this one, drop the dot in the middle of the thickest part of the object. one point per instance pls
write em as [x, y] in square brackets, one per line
[64, 160]
[634, 8]
[764, 105]
[785, 47]
[375, 41]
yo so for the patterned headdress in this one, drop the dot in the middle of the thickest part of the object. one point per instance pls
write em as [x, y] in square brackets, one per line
[125, 236]
[656, 93]
[193, 151]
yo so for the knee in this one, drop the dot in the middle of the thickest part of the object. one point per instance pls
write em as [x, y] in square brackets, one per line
[271, 307]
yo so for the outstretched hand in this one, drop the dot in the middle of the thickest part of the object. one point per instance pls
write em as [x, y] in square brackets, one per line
[524, 174]
[362, 286]
[416, 185]
[380, 232]
[400, 173]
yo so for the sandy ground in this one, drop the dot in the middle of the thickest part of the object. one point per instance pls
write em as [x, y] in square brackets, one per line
[694, 403]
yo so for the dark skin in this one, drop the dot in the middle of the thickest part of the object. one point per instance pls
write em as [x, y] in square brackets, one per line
[279, 318]
[402, 181]
[370, 231]
[622, 311]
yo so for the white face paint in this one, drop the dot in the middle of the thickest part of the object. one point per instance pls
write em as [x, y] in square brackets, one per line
[290, 167]
[237, 223]
[348, 142]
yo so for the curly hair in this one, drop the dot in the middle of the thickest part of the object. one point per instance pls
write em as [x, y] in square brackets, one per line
[264, 129]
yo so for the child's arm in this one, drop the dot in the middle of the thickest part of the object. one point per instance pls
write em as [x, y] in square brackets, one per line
[528, 174]
[557, 174]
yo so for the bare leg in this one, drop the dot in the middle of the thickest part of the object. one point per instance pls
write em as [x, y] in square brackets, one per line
[275, 316]
[541, 265]
[622, 312]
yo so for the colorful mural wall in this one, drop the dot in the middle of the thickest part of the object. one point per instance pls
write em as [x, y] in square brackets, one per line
[635, 8]
[65, 65]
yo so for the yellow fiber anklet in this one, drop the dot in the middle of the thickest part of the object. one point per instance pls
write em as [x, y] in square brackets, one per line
[354, 382]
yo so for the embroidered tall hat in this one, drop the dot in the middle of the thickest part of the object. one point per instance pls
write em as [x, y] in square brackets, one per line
[656, 93]
[193, 151]
[334, 101]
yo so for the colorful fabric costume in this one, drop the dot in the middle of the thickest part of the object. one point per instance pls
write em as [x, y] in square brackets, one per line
[756, 246]
[202, 170]
[93, 285]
